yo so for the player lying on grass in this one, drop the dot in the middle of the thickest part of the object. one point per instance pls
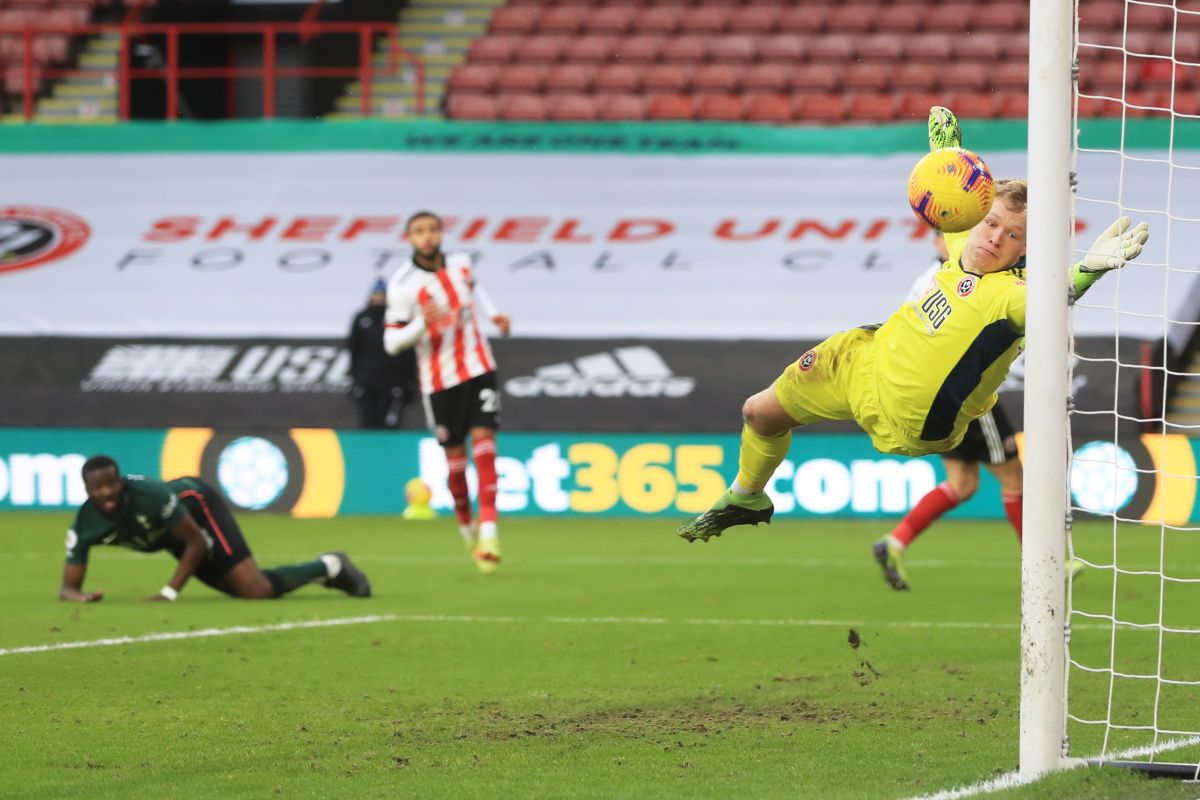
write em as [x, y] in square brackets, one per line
[915, 382]
[189, 519]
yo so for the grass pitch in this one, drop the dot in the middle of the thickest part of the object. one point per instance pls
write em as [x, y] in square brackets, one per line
[604, 659]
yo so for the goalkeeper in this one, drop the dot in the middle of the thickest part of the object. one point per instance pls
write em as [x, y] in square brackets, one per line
[915, 382]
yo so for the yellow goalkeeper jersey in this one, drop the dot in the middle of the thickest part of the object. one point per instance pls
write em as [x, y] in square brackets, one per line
[941, 356]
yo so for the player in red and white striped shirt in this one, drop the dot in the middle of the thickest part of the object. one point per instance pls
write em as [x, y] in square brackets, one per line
[433, 303]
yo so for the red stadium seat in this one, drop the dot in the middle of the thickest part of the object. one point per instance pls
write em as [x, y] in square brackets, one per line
[865, 77]
[930, 48]
[716, 78]
[1010, 75]
[1099, 107]
[1016, 47]
[802, 19]
[610, 19]
[623, 107]
[1104, 77]
[690, 49]
[1102, 15]
[837, 48]
[885, 47]
[709, 19]
[815, 78]
[530, 107]
[672, 107]
[974, 105]
[492, 49]
[898, 19]
[1187, 46]
[767, 78]
[570, 78]
[520, 78]
[916, 77]
[674, 78]
[1148, 17]
[871, 107]
[1002, 17]
[1159, 73]
[856, 18]
[733, 49]
[951, 18]
[473, 78]
[513, 20]
[618, 78]
[1184, 103]
[472, 107]
[590, 49]
[784, 48]
[821, 108]
[916, 105]
[723, 107]
[965, 76]
[638, 49]
[657, 19]
[573, 108]
[978, 47]
[755, 19]
[540, 49]
[561, 19]
[769, 108]
[1013, 105]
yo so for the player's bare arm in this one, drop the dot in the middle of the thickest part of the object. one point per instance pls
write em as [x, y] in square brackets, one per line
[72, 585]
[195, 546]
[502, 322]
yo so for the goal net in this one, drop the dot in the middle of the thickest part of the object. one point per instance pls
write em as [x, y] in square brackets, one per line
[1131, 643]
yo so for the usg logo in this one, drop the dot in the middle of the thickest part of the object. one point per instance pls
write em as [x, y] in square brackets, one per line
[34, 235]
[622, 372]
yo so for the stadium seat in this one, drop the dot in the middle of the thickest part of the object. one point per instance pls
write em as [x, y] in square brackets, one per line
[707, 19]
[865, 76]
[623, 107]
[1001, 17]
[964, 76]
[570, 78]
[530, 107]
[898, 19]
[1016, 47]
[733, 49]
[1187, 46]
[785, 48]
[981, 46]
[609, 19]
[820, 108]
[805, 20]
[540, 49]
[915, 77]
[974, 105]
[520, 78]
[674, 78]
[573, 108]
[856, 18]
[561, 19]
[1149, 16]
[767, 78]
[473, 78]
[815, 78]
[930, 48]
[837, 48]
[672, 107]
[1097, 45]
[492, 49]
[885, 47]
[472, 107]
[723, 107]
[638, 49]
[1013, 105]
[769, 108]
[952, 18]
[1159, 73]
[590, 49]
[689, 49]
[916, 105]
[755, 19]
[657, 19]
[1185, 103]
[1104, 77]
[513, 19]
[1013, 75]
[1105, 15]
[618, 78]
[871, 107]
[716, 78]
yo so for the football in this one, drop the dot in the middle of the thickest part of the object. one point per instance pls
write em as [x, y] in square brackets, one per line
[951, 189]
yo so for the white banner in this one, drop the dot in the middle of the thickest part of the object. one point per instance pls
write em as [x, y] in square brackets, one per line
[570, 246]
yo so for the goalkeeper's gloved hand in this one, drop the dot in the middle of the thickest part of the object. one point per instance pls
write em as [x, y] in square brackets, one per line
[1113, 248]
[944, 130]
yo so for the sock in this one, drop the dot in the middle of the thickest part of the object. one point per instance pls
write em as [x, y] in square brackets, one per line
[467, 532]
[333, 565]
[929, 508]
[458, 488]
[291, 577]
[487, 532]
[1013, 506]
[484, 453]
[759, 457]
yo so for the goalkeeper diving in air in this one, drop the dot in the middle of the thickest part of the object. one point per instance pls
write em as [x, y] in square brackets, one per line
[917, 381]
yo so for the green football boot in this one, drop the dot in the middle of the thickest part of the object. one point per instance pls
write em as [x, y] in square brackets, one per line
[730, 510]
[891, 560]
[944, 130]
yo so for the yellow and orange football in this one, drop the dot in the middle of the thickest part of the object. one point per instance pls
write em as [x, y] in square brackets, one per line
[951, 189]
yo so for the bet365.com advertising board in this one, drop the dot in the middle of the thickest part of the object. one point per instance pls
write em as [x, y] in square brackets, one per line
[317, 472]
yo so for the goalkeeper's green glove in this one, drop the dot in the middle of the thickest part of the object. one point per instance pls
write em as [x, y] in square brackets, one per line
[1111, 250]
[944, 130]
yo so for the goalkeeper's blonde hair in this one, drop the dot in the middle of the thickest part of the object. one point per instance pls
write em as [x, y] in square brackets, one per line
[1014, 192]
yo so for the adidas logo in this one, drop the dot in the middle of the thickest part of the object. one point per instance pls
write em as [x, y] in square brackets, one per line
[623, 372]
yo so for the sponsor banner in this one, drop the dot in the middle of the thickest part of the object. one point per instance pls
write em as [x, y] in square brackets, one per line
[569, 245]
[611, 385]
[323, 473]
